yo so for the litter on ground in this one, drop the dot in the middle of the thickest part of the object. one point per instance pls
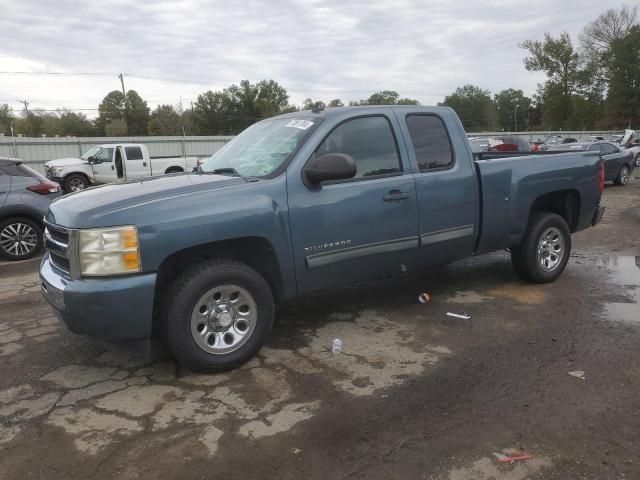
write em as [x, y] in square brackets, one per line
[463, 316]
[512, 457]
[578, 374]
[424, 297]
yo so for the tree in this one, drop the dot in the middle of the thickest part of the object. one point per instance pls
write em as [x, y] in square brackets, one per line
[165, 120]
[598, 36]
[6, 119]
[235, 108]
[309, 104]
[336, 102]
[75, 124]
[137, 114]
[561, 62]
[474, 107]
[513, 108]
[623, 66]
[384, 97]
[112, 112]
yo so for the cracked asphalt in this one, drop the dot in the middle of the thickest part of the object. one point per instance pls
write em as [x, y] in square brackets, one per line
[415, 394]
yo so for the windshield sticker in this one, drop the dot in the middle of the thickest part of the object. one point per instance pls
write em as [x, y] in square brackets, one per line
[301, 124]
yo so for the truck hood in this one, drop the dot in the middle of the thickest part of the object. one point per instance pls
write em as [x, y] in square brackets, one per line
[94, 206]
[65, 162]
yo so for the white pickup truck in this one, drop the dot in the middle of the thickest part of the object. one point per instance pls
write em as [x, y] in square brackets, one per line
[111, 162]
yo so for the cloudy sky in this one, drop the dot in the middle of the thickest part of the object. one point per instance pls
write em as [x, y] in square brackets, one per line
[321, 49]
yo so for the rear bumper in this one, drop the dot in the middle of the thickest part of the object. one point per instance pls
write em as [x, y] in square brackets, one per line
[597, 215]
[111, 309]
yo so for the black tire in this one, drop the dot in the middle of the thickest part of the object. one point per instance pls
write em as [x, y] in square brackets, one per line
[9, 226]
[636, 160]
[623, 176]
[525, 258]
[185, 293]
[74, 182]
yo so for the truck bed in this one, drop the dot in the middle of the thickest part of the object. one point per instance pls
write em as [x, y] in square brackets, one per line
[511, 183]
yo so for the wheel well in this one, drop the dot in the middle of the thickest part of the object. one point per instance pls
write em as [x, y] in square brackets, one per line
[28, 215]
[255, 252]
[174, 170]
[565, 203]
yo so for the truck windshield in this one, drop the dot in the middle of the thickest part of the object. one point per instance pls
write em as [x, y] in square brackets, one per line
[90, 153]
[260, 149]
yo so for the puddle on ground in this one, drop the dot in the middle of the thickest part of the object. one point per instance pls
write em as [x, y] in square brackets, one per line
[624, 271]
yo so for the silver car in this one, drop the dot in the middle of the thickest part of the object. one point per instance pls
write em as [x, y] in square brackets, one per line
[25, 196]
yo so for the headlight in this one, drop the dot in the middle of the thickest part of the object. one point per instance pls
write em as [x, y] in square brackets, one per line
[108, 251]
[57, 170]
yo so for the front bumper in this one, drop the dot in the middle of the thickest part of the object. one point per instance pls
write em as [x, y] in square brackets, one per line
[111, 309]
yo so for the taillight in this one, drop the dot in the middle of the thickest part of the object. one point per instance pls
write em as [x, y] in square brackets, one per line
[44, 188]
[601, 176]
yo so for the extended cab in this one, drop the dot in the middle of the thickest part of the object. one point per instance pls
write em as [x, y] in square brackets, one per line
[111, 162]
[297, 203]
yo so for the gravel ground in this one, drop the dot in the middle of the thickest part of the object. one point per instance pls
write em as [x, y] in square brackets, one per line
[415, 394]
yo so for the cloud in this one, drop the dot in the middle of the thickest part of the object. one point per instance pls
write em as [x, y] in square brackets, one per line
[322, 49]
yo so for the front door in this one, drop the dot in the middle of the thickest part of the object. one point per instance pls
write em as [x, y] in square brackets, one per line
[103, 166]
[361, 228]
[612, 157]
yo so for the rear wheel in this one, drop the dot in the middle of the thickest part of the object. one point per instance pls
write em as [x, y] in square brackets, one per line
[20, 238]
[218, 315]
[623, 176]
[544, 252]
[75, 182]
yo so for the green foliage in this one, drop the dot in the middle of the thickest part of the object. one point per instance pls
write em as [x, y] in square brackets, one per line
[235, 108]
[6, 119]
[336, 102]
[513, 109]
[115, 116]
[623, 68]
[165, 120]
[474, 107]
[309, 104]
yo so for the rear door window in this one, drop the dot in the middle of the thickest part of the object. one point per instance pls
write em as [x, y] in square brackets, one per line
[133, 153]
[608, 149]
[369, 141]
[430, 141]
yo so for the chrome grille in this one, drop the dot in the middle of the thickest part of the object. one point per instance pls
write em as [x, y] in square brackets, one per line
[56, 240]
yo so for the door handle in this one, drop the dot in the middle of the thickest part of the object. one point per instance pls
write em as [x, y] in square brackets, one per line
[395, 196]
[144, 164]
[112, 167]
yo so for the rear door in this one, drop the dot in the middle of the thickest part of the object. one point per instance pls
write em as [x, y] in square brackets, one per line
[361, 228]
[445, 185]
[137, 166]
[613, 158]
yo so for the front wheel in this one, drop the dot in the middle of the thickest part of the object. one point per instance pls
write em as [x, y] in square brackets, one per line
[544, 252]
[218, 315]
[623, 176]
[75, 182]
[20, 238]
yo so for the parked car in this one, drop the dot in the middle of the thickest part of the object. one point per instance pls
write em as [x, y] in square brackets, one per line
[24, 199]
[618, 163]
[569, 140]
[510, 143]
[297, 203]
[111, 162]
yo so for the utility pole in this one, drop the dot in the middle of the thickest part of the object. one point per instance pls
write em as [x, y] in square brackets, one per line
[26, 110]
[124, 93]
[515, 116]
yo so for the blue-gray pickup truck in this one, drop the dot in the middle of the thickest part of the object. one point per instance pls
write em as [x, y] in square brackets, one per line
[297, 203]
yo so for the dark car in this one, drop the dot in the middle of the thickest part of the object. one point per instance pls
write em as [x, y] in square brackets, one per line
[25, 196]
[618, 163]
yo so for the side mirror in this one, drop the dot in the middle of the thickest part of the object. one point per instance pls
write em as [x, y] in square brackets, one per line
[332, 166]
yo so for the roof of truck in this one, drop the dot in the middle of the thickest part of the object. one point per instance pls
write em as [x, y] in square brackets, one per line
[335, 111]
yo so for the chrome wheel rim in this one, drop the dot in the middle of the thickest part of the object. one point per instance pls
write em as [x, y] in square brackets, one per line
[18, 239]
[76, 184]
[624, 177]
[223, 319]
[551, 249]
